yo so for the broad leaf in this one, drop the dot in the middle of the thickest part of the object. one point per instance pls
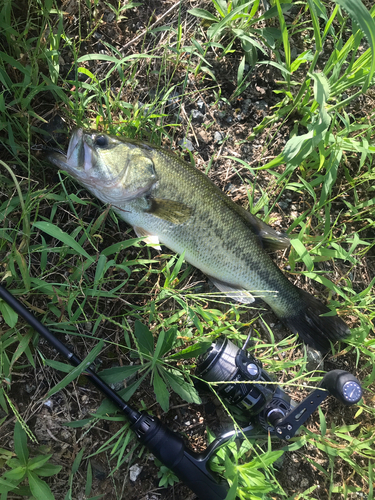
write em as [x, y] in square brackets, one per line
[144, 338]
[39, 488]
[9, 315]
[161, 391]
[20, 443]
[118, 373]
[185, 390]
[204, 14]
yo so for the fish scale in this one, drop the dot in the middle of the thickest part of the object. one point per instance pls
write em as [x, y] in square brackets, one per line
[171, 202]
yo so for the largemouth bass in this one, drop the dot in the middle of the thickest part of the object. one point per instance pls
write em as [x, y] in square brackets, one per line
[169, 201]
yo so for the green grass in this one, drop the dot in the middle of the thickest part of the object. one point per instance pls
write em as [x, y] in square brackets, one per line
[79, 267]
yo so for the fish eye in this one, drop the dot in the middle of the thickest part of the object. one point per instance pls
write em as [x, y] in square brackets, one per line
[101, 141]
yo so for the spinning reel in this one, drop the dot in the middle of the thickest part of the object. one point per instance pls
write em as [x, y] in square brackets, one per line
[244, 384]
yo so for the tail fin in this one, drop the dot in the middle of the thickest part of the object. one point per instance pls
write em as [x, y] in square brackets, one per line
[313, 329]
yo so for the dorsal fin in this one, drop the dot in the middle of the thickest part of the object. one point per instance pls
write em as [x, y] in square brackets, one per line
[269, 237]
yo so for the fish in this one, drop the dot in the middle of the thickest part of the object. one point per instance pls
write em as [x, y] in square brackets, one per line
[169, 201]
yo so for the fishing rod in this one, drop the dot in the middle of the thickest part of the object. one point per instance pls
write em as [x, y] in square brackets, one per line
[240, 381]
[166, 445]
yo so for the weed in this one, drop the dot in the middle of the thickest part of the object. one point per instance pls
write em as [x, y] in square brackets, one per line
[26, 469]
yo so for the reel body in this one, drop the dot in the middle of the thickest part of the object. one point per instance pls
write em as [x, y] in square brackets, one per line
[241, 381]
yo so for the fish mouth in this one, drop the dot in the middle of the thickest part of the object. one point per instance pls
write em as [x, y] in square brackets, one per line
[79, 156]
[75, 146]
[83, 162]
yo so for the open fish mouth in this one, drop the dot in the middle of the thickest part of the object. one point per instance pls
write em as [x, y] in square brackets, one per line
[78, 157]
[79, 154]
[74, 144]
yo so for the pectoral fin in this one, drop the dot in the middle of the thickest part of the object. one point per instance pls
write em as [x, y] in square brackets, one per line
[149, 238]
[238, 294]
[169, 210]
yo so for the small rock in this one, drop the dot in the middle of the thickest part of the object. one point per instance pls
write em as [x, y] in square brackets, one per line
[283, 205]
[109, 17]
[203, 136]
[218, 136]
[117, 386]
[173, 101]
[98, 471]
[261, 105]
[201, 106]
[186, 144]
[314, 359]
[88, 326]
[29, 388]
[229, 187]
[82, 77]
[197, 116]
[134, 472]
[304, 483]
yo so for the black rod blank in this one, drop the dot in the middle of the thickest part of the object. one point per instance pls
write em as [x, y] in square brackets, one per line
[61, 348]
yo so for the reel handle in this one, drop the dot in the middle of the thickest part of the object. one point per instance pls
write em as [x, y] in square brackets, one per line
[343, 386]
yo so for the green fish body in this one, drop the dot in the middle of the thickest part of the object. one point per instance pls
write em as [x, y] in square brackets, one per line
[170, 201]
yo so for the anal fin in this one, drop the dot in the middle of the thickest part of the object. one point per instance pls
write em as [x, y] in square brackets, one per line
[235, 293]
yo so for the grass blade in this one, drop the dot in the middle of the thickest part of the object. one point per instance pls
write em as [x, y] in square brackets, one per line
[65, 238]
[77, 370]
[358, 12]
